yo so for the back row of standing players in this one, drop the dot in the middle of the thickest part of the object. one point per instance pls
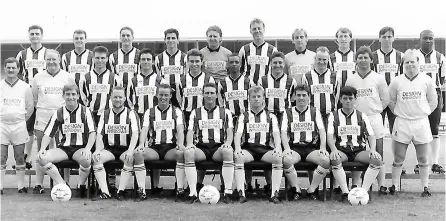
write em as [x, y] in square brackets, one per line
[140, 72]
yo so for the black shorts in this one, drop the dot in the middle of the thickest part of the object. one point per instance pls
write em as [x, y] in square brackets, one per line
[117, 151]
[208, 149]
[70, 150]
[256, 150]
[350, 152]
[96, 117]
[186, 119]
[30, 122]
[162, 149]
[303, 150]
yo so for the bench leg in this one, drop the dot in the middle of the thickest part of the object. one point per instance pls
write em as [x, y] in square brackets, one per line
[324, 188]
[286, 189]
[331, 185]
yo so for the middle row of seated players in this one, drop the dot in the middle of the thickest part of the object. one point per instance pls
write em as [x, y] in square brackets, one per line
[258, 136]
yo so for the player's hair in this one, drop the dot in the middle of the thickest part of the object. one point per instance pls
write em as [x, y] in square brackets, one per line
[410, 52]
[52, 50]
[426, 31]
[348, 90]
[364, 50]
[100, 49]
[12, 60]
[299, 30]
[35, 27]
[256, 89]
[163, 86]
[79, 32]
[171, 30]
[146, 51]
[70, 87]
[385, 30]
[216, 29]
[118, 88]
[322, 49]
[194, 52]
[234, 54]
[210, 84]
[126, 28]
[256, 20]
[277, 54]
[344, 30]
[302, 87]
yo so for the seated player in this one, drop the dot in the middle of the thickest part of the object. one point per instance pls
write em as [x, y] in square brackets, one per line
[75, 125]
[16, 108]
[212, 125]
[163, 124]
[258, 126]
[347, 132]
[304, 138]
[412, 99]
[117, 137]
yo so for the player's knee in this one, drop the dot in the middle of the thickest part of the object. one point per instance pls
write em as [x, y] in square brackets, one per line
[239, 158]
[96, 158]
[3, 159]
[376, 162]
[335, 162]
[179, 156]
[276, 159]
[422, 160]
[138, 158]
[324, 162]
[287, 161]
[19, 158]
[189, 155]
[398, 158]
[228, 154]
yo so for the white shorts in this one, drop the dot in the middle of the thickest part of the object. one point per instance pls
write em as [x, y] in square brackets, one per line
[14, 134]
[376, 122]
[42, 119]
[416, 131]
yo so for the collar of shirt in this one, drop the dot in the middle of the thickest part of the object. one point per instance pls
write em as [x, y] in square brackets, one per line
[346, 53]
[13, 83]
[195, 76]
[163, 111]
[36, 51]
[410, 79]
[301, 112]
[53, 75]
[234, 79]
[426, 54]
[260, 112]
[210, 110]
[148, 76]
[74, 110]
[364, 76]
[278, 78]
[386, 54]
[130, 51]
[213, 50]
[94, 71]
[120, 112]
[258, 46]
[348, 115]
[173, 53]
[315, 71]
[80, 54]
[300, 52]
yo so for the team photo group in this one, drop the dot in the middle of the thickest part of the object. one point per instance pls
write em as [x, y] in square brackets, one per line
[324, 107]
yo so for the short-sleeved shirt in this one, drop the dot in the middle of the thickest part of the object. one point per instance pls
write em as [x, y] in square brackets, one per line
[350, 130]
[257, 127]
[215, 61]
[117, 128]
[163, 124]
[210, 125]
[302, 127]
[16, 102]
[255, 60]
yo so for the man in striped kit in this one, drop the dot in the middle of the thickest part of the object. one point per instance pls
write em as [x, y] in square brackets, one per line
[371, 99]
[255, 55]
[16, 106]
[32, 61]
[163, 124]
[213, 127]
[432, 63]
[304, 138]
[347, 133]
[191, 84]
[75, 124]
[171, 63]
[97, 85]
[124, 61]
[79, 60]
[117, 137]
[258, 126]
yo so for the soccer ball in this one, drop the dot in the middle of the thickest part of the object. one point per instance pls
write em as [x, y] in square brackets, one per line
[61, 192]
[358, 196]
[209, 195]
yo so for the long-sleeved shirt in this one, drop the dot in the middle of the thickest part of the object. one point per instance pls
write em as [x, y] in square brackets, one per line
[16, 102]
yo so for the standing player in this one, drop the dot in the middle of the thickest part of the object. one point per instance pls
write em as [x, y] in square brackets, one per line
[97, 85]
[412, 99]
[321, 81]
[432, 63]
[16, 107]
[304, 138]
[77, 130]
[47, 92]
[79, 60]
[278, 86]
[255, 55]
[215, 55]
[124, 61]
[371, 99]
[212, 125]
[32, 61]
[141, 92]
[171, 63]
[191, 86]
[163, 124]
[117, 137]
[342, 60]
[347, 133]
[300, 60]
[258, 126]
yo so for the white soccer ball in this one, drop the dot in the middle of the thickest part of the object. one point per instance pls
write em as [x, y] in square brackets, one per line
[61, 192]
[358, 196]
[209, 195]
